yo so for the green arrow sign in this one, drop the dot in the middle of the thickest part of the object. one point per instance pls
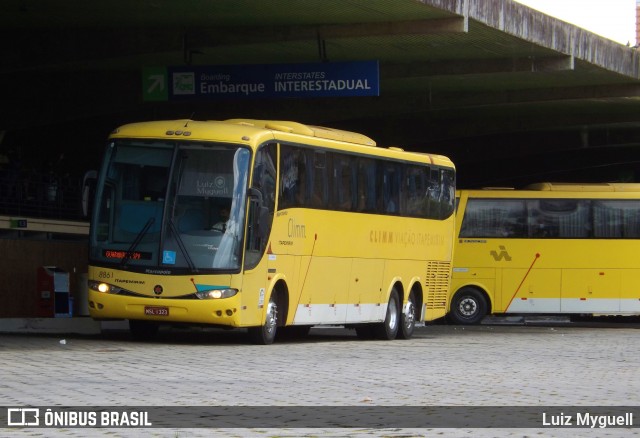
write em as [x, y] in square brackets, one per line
[154, 84]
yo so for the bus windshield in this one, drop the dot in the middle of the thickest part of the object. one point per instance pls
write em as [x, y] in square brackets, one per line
[171, 206]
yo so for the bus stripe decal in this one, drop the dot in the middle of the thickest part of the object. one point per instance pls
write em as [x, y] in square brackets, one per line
[523, 279]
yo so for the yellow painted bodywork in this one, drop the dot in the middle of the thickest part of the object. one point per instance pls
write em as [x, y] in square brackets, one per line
[570, 275]
[323, 257]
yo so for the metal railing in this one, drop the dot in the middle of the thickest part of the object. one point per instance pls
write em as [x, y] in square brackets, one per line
[41, 196]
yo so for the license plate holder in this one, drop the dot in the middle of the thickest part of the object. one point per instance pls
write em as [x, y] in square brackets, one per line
[156, 310]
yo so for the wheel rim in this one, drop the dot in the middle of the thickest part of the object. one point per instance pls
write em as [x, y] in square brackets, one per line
[272, 317]
[468, 307]
[410, 316]
[393, 314]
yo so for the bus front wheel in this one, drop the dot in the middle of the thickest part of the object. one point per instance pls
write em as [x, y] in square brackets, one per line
[468, 306]
[388, 329]
[266, 333]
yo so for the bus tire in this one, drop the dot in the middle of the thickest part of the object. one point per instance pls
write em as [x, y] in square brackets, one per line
[408, 319]
[266, 333]
[143, 330]
[469, 306]
[388, 329]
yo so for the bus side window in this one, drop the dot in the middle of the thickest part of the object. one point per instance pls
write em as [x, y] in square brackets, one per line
[449, 194]
[630, 211]
[304, 186]
[391, 188]
[289, 176]
[434, 193]
[367, 190]
[343, 182]
[319, 180]
[415, 191]
[494, 218]
[607, 220]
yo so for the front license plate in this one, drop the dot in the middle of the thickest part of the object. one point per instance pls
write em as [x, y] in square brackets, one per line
[156, 310]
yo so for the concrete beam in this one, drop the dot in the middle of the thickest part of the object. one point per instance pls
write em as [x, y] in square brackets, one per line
[476, 66]
[530, 25]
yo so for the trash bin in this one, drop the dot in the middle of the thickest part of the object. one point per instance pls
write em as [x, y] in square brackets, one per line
[53, 298]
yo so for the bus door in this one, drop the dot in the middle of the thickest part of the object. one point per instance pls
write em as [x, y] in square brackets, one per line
[261, 204]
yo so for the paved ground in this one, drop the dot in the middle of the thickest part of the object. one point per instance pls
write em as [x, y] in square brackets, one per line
[488, 365]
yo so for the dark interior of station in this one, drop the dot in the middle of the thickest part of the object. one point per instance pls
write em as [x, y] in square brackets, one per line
[511, 95]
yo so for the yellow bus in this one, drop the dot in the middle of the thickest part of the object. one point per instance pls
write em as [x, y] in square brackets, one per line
[270, 226]
[552, 248]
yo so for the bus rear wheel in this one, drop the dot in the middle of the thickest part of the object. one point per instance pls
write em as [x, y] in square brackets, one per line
[388, 329]
[266, 333]
[408, 319]
[468, 306]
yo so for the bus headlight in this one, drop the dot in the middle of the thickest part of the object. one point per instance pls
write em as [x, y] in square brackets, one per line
[216, 294]
[105, 288]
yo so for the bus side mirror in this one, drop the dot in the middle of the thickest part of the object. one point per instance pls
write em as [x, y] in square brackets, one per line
[262, 216]
[256, 194]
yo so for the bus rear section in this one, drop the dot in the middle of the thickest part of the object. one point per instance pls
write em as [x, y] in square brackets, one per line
[548, 249]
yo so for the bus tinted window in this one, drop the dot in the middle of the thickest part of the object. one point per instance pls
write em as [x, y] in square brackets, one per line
[344, 182]
[494, 218]
[551, 218]
[559, 218]
[616, 219]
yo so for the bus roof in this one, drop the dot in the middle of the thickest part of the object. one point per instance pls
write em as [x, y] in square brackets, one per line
[584, 187]
[308, 130]
[242, 130]
[164, 127]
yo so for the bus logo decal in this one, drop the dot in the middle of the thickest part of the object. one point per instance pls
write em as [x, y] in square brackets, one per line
[503, 254]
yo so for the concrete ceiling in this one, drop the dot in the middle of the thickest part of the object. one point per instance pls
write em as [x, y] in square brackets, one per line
[512, 95]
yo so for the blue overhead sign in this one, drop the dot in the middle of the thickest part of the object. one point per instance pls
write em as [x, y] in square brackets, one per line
[331, 79]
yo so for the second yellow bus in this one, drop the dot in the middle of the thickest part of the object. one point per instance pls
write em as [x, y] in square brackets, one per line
[548, 249]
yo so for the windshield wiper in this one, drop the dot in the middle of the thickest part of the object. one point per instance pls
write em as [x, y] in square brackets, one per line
[136, 242]
[183, 248]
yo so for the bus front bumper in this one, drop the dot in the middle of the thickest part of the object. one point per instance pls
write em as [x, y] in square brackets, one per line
[224, 312]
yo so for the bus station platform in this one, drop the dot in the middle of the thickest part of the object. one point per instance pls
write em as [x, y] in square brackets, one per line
[85, 325]
[73, 325]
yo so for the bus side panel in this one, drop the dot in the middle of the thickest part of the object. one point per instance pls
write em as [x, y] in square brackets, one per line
[630, 291]
[529, 291]
[591, 290]
[254, 294]
[281, 267]
[365, 292]
[321, 296]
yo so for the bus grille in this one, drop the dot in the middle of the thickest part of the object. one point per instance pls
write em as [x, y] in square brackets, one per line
[437, 284]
